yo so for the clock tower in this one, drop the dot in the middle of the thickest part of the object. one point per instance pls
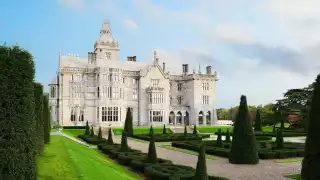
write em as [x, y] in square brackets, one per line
[106, 49]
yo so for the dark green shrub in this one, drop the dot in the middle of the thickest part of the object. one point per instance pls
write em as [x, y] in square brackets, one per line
[243, 147]
[124, 143]
[228, 139]
[110, 139]
[140, 165]
[128, 124]
[279, 139]
[164, 131]
[47, 119]
[282, 124]
[274, 129]
[126, 158]
[39, 118]
[152, 152]
[100, 133]
[185, 131]
[219, 139]
[17, 115]
[170, 137]
[92, 132]
[311, 161]
[201, 169]
[195, 132]
[92, 139]
[87, 132]
[258, 122]
[151, 133]
[74, 127]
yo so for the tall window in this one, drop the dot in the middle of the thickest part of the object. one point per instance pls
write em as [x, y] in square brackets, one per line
[98, 113]
[205, 86]
[113, 78]
[155, 82]
[115, 92]
[53, 92]
[134, 94]
[179, 86]
[156, 116]
[76, 91]
[205, 99]
[73, 115]
[109, 114]
[104, 114]
[98, 92]
[156, 98]
[81, 117]
[180, 100]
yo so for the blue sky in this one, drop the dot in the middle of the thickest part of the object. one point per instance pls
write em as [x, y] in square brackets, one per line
[259, 48]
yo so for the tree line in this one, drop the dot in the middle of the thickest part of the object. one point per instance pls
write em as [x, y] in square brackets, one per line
[24, 115]
[293, 99]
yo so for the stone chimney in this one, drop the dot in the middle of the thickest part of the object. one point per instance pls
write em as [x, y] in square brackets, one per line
[185, 68]
[132, 58]
[209, 69]
[163, 66]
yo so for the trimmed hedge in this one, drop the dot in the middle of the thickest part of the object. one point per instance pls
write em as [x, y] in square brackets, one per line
[266, 150]
[171, 137]
[140, 165]
[172, 172]
[92, 139]
[285, 134]
[74, 127]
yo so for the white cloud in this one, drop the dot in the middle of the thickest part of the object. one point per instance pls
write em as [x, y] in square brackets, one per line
[76, 4]
[129, 23]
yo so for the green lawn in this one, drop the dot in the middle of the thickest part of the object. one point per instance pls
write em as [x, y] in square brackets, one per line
[289, 160]
[68, 160]
[74, 132]
[140, 130]
[295, 176]
[53, 130]
[213, 129]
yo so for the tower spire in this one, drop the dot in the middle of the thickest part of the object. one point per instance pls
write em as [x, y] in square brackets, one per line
[199, 69]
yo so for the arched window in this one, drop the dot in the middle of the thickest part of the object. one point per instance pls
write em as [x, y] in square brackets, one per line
[73, 115]
[81, 117]
[200, 119]
[179, 118]
[171, 117]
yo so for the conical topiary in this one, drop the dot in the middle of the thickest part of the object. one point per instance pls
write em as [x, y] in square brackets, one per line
[110, 139]
[195, 132]
[201, 169]
[87, 132]
[311, 161]
[128, 124]
[152, 152]
[274, 129]
[228, 139]
[92, 131]
[151, 131]
[100, 134]
[258, 122]
[185, 131]
[124, 143]
[164, 130]
[279, 139]
[282, 124]
[219, 139]
[243, 147]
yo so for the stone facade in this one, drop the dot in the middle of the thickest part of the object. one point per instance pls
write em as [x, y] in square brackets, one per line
[100, 88]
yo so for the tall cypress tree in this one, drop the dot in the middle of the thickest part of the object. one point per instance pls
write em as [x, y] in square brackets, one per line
[110, 139]
[128, 124]
[279, 139]
[151, 133]
[228, 139]
[185, 131]
[46, 119]
[92, 132]
[87, 132]
[124, 143]
[311, 161]
[243, 148]
[152, 152]
[195, 132]
[201, 169]
[219, 139]
[39, 118]
[17, 114]
[100, 134]
[164, 130]
[258, 122]
[282, 124]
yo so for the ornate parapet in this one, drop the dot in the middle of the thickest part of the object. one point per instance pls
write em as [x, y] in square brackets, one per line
[154, 89]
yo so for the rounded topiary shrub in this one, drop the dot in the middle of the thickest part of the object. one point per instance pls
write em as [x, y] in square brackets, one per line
[168, 172]
[140, 165]
[115, 152]
[125, 158]
[106, 148]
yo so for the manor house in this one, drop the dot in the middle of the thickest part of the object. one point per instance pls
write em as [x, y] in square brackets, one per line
[99, 88]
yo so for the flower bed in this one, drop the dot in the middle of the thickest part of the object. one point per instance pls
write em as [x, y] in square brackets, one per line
[266, 150]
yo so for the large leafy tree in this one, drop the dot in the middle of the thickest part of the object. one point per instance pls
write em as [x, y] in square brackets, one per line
[17, 114]
[311, 161]
[243, 148]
